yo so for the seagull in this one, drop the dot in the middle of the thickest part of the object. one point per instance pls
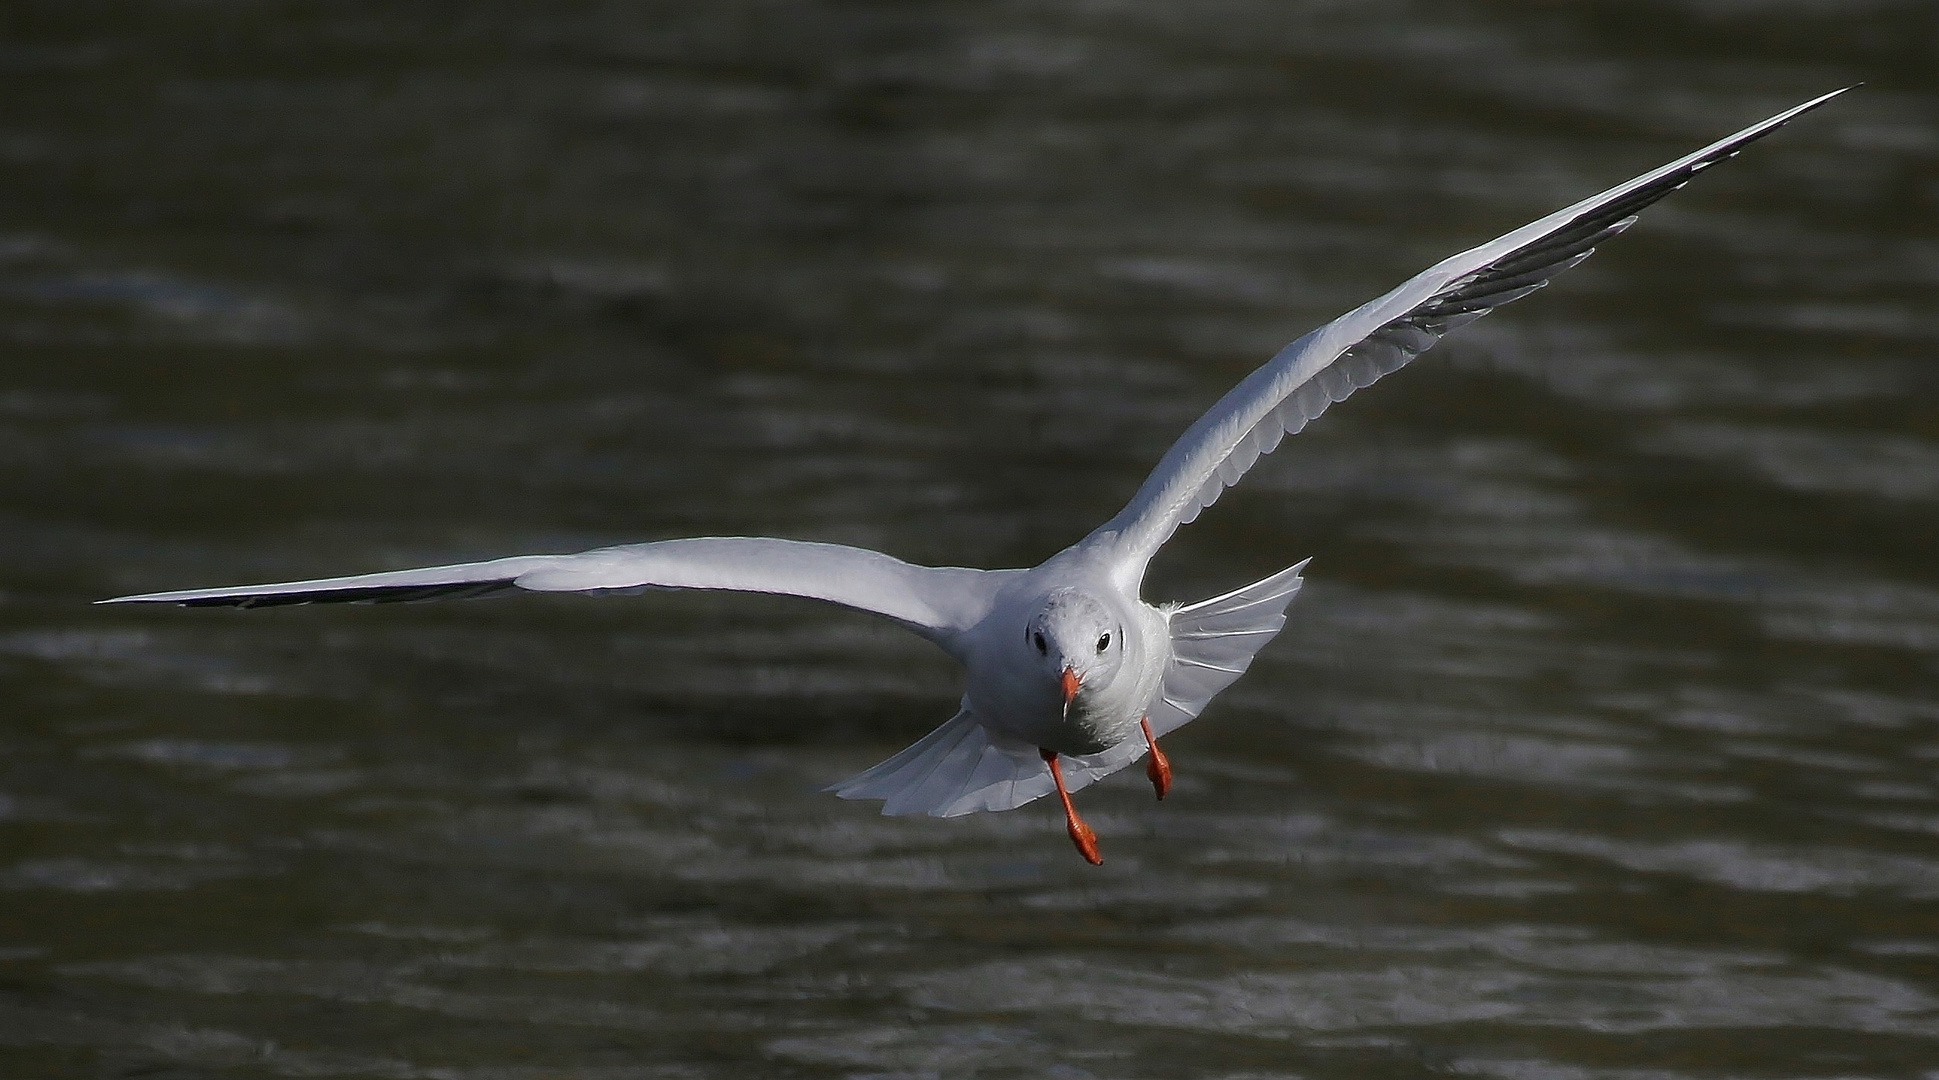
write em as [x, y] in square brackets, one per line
[1069, 674]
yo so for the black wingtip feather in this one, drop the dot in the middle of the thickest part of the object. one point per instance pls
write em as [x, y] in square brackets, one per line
[382, 594]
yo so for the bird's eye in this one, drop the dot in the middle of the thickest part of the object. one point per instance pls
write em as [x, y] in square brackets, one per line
[1103, 643]
[1039, 639]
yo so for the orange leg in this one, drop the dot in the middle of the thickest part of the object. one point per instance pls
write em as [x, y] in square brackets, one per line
[1080, 833]
[1158, 766]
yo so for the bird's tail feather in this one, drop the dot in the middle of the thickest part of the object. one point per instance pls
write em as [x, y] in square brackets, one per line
[962, 767]
[1214, 641]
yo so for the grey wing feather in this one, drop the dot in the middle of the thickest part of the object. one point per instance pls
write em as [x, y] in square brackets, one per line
[397, 586]
[934, 601]
[1379, 337]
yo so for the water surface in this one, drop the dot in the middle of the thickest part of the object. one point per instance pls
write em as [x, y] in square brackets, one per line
[1601, 744]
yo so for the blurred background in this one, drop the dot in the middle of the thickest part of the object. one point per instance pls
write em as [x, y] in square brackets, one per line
[1600, 745]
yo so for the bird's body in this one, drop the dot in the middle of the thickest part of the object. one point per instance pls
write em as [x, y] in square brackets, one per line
[1070, 674]
[1069, 604]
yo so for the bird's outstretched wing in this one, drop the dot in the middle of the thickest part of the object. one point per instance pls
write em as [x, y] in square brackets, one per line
[1359, 347]
[937, 602]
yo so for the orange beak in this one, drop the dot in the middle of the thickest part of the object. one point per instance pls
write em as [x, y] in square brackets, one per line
[1069, 682]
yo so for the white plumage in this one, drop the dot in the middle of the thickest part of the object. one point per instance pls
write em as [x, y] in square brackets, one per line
[1071, 676]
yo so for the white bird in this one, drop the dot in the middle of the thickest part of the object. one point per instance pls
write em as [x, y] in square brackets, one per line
[1070, 674]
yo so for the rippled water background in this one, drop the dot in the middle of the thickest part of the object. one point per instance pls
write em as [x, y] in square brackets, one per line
[1601, 744]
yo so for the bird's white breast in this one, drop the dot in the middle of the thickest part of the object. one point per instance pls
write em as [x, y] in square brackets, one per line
[1009, 692]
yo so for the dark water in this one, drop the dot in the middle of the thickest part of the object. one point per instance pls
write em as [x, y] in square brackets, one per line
[1601, 745]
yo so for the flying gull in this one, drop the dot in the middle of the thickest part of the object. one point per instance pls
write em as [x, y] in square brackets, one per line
[1070, 674]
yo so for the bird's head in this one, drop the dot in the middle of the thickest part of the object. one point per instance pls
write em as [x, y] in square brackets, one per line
[1076, 641]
